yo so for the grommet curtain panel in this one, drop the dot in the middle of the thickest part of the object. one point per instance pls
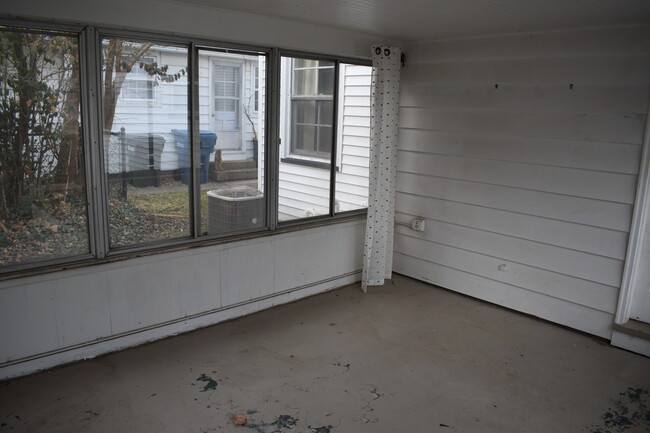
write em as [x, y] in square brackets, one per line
[378, 247]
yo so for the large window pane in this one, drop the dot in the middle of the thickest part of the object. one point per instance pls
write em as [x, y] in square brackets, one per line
[232, 192]
[146, 145]
[43, 211]
[306, 117]
[353, 141]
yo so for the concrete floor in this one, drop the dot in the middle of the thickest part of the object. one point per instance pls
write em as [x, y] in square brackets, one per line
[407, 357]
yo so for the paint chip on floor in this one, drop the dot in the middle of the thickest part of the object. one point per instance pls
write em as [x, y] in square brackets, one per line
[631, 409]
[210, 384]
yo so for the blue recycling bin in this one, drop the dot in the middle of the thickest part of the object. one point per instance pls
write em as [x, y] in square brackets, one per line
[208, 140]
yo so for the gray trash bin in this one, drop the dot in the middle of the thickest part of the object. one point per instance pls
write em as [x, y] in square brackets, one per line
[143, 153]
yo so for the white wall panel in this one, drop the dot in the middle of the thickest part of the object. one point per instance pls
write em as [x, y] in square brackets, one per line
[141, 296]
[82, 308]
[523, 150]
[290, 270]
[200, 285]
[247, 272]
[39, 318]
[12, 325]
[65, 316]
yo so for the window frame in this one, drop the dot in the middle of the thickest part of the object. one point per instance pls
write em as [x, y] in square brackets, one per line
[72, 31]
[319, 101]
[333, 164]
[90, 52]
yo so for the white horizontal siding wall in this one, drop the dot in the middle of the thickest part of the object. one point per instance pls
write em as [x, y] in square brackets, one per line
[54, 318]
[354, 136]
[169, 110]
[523, 151]
[166, 111]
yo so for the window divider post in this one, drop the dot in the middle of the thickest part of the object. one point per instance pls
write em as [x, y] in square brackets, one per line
[194, 135]
[272, 145]
[335, 125]
[93, 127]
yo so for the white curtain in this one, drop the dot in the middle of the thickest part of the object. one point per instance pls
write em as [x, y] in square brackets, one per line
[378, 248]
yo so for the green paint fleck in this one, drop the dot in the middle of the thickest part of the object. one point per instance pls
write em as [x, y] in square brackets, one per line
[210, 383]
[630, 410]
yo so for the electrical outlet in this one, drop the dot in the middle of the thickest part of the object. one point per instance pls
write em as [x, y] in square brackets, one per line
[417, 224]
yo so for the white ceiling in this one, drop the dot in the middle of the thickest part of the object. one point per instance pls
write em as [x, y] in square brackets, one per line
[417, 20]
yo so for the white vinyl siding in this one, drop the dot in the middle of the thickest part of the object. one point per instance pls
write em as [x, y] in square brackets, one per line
[523, 151]
[168, 110]
[352, 178]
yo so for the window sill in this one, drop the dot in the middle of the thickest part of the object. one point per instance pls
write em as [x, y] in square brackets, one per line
[308, 163]
[65, 264]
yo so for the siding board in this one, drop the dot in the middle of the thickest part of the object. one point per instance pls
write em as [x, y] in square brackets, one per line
[587, 266]
[613, 98]
[581, 183]
[587, 155]
[598, 296]
[608, 243]
[607, 127]
[615, 216]
[613, 68]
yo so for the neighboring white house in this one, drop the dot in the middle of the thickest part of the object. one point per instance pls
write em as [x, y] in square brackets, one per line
[228, 87]
[231, 104]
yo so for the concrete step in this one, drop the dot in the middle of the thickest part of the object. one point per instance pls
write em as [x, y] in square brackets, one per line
[237, 174]
[235, 165]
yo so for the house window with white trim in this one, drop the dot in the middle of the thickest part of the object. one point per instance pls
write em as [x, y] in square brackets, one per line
[138, 84]
[312, 108]
[227, 82]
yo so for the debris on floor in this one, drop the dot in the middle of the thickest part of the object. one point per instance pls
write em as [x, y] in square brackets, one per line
[324, 429]
[367, 409]
[631, 409]
[239, 419]
[209, 382]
